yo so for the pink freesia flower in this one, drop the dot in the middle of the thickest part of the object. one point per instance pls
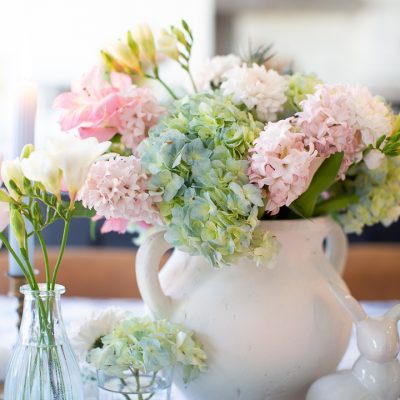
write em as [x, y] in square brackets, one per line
[101, 109]
[280, 162]
[117, 189]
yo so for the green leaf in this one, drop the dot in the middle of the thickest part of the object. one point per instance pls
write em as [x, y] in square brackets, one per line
[81, 212]
[380, 141]
[322, 180]
[335, 204]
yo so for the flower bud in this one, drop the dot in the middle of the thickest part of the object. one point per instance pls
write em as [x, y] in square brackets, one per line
[147, 46]
[17, 226]
[123, 59]
[37, 213]
[168, 45]
[4, 197]
[27, 151]
[13, 177]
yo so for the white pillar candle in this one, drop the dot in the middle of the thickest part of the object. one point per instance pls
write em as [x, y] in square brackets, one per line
[23, 133]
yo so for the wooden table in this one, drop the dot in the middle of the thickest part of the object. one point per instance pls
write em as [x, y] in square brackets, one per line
[372, 271]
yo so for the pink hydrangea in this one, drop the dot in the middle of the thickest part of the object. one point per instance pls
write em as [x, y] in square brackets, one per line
[117, 189]
[280, 162]
[101, 109]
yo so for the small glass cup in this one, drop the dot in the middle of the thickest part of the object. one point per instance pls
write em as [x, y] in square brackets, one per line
[135, 385]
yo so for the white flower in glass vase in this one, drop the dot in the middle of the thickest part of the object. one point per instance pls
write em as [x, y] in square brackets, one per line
[39, 167]
[88, 334]
[74, 157]
[11, 171]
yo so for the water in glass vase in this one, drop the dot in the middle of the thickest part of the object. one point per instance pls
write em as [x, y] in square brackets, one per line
[43, 365]
[135, 386]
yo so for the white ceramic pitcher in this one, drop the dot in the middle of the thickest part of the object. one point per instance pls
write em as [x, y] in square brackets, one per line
[268, 333]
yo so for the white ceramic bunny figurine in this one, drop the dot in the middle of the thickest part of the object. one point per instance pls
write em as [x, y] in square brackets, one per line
[376, 373]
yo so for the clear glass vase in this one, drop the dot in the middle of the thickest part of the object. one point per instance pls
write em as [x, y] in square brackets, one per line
[135, 386]
[43, 365]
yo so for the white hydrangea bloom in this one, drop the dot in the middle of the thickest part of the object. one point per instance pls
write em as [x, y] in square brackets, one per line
[256, 87]
[371, 115]
[210, 74]
[94, 328]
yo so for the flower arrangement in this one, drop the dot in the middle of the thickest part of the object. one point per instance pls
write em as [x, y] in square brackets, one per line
[129, 348]
[43, 364]
[245, 144]
[31, 199]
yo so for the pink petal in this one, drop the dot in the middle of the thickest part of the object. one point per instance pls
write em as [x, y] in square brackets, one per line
[119, 225]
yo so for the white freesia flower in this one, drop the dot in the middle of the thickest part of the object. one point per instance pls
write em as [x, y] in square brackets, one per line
[39, 167]
[211, 73]
[374, 158]
[74, 157]
[256, 87]
[11, 170]
[94, 328]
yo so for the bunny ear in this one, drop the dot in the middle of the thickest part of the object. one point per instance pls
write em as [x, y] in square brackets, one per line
[394, 313]
[349, 302]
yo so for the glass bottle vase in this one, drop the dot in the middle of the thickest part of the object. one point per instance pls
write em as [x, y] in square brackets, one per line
[43, 365]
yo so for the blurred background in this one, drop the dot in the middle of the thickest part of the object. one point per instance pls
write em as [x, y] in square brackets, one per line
[52, 42]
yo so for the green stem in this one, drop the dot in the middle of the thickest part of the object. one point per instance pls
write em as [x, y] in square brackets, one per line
[166, 87]
[17, 259]
[126, 396]
[192, 80]
[46, 258]
[61, 253]
[138, 387]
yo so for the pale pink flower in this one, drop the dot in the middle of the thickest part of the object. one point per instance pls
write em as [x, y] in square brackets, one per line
[327, 120]
[119, 225]
[343, 118]
[280, 162]
[101, 109]
[117, 189]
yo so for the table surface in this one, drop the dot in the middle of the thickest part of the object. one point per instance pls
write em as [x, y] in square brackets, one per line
[76, 309]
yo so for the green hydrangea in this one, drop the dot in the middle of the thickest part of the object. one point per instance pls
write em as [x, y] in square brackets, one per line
[197, 157]
[379, 194]
[146, 346]
[299, 86]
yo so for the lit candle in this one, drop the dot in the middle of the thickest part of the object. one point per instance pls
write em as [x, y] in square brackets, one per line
[23, 133]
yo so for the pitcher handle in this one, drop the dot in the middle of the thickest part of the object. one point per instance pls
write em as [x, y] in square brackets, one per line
[148, 260]
[337, 247]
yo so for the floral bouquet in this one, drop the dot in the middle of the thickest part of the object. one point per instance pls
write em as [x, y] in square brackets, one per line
[136, 356]
[245, 144]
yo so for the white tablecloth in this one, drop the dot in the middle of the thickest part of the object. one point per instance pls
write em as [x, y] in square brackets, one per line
[75, 309]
